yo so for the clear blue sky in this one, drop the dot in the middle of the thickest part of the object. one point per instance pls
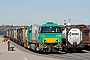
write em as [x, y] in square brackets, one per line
[18, 12]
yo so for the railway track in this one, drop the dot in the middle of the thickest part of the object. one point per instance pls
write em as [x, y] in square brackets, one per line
[85, 54]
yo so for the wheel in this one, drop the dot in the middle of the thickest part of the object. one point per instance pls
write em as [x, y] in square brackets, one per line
[37, 49]
[55, 50]
[69, 50]
[49, 49]
[37, 46]
[79, 49]
[64, 49]
[44, 51]
[28, 45]
[74, 50]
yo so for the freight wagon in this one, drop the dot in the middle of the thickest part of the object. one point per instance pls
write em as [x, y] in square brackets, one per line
[85, 34]
[17, 34]
[20, 36]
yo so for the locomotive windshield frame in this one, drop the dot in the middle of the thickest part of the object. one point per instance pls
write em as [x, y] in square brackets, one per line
[50, 30]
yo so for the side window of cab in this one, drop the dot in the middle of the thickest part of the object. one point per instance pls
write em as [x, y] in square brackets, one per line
[39, 29]
[30, 31]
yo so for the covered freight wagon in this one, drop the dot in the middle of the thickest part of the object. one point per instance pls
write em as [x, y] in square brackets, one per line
[85, 34]
[20, 35]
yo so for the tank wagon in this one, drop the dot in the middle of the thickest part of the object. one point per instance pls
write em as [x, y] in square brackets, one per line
[72, 39]
[46, 37]
[85, 34]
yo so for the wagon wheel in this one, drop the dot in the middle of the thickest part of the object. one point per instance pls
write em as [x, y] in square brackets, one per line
[74, 49]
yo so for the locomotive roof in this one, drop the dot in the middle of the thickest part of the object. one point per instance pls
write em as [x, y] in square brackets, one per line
[50, 24]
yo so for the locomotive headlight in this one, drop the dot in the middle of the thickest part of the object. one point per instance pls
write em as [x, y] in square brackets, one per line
[56, 41]
[45, 41]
